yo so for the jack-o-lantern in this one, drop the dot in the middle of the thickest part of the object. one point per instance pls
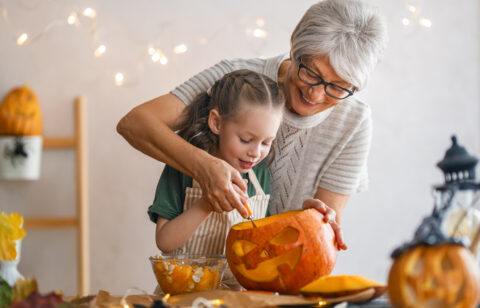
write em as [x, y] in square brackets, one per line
[433, 270]
[283, 252]
[20, 113]
[435, 276]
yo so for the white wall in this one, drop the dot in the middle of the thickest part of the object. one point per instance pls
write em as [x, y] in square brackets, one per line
[425, 90]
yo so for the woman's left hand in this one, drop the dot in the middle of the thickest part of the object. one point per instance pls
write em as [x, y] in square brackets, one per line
[329, 215]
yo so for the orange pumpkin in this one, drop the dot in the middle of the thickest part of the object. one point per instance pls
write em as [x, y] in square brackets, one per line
[342, 285]
[283, 252]
[445, 275]
[20, 113]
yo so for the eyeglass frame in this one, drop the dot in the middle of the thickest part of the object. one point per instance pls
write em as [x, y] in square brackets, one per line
[322, 81]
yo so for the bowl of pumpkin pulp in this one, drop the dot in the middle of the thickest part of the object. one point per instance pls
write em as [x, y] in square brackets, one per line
[177, 274]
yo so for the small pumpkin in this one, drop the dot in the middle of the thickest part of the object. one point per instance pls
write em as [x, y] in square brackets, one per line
[342, 285]
[283, 252]
[445, 275]
[20, 113]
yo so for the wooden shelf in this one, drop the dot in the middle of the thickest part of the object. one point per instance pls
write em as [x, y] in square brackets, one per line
[81, 221]
[50, 222]
[59, 143]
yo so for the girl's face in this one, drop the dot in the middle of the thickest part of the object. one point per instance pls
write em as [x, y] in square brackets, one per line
[246, 139]
[304, 99]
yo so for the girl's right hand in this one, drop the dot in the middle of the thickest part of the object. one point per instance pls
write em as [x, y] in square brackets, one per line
[222, 186]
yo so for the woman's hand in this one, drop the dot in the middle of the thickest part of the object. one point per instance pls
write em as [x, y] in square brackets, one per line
[329, 215]
[222, 186]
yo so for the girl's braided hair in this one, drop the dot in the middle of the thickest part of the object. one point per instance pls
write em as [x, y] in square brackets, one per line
[225, 96]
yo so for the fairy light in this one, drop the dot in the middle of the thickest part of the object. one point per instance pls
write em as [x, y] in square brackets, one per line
[216, 302]
[260, 22]
[427, 23]
[412, 9]
[72, 18]
[151, 51]
[119, 79]
[156, 57]
[405, 21]
[163, 60]
[100, 51]
[259, 33]
[180, 48]
[22, 39]
[89, 12]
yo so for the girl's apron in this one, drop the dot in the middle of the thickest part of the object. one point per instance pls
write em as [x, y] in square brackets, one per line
[211, 235]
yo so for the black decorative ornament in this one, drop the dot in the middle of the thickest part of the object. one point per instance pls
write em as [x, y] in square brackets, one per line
[18, 152]
[458, 167]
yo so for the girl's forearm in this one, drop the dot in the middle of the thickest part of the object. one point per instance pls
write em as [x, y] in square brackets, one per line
[172, 234]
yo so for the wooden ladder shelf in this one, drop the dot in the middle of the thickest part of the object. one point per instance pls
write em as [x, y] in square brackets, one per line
[81, 221]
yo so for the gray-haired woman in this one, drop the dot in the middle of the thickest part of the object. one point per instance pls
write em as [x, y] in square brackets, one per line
[322, 146]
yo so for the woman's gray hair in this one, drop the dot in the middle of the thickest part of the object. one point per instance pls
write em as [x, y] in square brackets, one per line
[352, 34]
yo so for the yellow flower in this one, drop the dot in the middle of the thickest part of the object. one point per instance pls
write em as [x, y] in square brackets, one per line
[10, 231]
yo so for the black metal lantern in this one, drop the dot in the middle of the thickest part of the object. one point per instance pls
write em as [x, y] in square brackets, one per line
[456, 217]
[457, 199]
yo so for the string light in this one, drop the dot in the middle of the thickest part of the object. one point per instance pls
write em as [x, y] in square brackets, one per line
[259, 33]
[89, 12]
[415, 17]
[180, 48]
[22, 39]
[100, 51]
[427, 23]
[163, 60]
[119, 79]
[72, 18]
[260, 22]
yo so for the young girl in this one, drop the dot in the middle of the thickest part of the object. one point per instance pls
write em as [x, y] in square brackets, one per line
[236, 120]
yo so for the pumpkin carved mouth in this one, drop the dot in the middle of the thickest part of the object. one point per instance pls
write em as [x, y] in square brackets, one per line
[283, 253]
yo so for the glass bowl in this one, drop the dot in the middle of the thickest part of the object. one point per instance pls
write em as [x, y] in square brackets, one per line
[188, 273]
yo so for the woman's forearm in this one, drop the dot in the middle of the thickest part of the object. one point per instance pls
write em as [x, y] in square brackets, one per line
[172, 234]
[149, 129]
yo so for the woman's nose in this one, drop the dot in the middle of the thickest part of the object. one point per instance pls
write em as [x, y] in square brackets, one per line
[316, 93]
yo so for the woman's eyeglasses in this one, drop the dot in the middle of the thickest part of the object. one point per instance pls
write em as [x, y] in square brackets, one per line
[311, 78]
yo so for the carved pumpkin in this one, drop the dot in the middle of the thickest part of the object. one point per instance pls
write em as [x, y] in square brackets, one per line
[444, 275]
[20, 113]
[342, 285]
[283, 252]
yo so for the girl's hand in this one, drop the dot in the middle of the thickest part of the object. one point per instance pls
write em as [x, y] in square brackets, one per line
[329, 215]
[222, 186]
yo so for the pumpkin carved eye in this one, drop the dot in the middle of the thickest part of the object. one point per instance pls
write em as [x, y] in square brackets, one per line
[288, 235]
[242, 247]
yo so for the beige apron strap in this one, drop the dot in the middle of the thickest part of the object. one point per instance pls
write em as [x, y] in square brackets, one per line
[195, 184]
[256, 184]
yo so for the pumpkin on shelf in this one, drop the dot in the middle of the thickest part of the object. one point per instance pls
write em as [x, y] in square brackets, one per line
[282, 252]
[433, 271]
[20, 135]
[343, 286]
[20, 113]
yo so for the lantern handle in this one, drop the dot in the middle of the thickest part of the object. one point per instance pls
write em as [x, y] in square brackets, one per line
[440, 210]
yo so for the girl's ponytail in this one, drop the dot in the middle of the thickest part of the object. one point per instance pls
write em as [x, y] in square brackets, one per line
[193, 126]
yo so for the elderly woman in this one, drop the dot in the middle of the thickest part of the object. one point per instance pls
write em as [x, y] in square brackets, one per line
[321, 149]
